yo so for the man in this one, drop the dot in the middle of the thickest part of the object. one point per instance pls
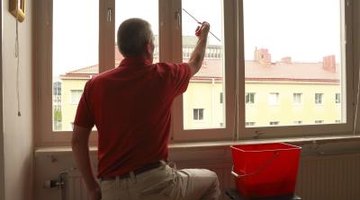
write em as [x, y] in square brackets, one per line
[131, 108]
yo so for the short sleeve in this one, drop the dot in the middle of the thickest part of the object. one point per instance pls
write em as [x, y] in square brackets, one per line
[84, 116]
[180, 75]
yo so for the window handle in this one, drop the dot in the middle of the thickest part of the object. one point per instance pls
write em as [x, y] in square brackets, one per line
[109, 15]
[178, 17]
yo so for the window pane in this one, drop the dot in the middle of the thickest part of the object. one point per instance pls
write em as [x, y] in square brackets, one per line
[75, 55]
[297, 98]
[208, 83]
[144, 9]
[75, 96]
[293, 54]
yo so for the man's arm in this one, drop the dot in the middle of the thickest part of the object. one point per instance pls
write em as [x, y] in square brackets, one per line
[80, 148]
[197, 56]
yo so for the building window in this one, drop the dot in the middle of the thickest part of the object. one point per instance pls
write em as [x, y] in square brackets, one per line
[297, 98]
[337, 98]
[319, 121]
[274, 123]
[273, 99]
[198, 114]
[250, 98]
[221, 97]
[298, 122]
[319, 98]
[249, 124]
[75, 96]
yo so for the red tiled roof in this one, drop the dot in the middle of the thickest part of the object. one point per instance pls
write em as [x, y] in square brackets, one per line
[212, 69]
[253, 71]
[292, 71]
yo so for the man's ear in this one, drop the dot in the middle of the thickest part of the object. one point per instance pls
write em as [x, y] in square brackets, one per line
[149, 48]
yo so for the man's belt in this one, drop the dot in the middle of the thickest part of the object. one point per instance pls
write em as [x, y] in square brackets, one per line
[137, 171]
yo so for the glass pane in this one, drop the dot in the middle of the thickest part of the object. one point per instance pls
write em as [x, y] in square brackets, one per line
[208, 84]
[75, 55]
[294, 47]
[149, 11]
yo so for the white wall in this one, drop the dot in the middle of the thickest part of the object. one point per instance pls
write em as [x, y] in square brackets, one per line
[17, 132]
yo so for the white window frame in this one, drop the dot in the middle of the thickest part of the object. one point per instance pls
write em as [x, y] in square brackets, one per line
[350, 16]
[45, 136]
[179, 134]
[297, 98]
[274, 98]
[75, 99]
[170, 31]
[319, 98]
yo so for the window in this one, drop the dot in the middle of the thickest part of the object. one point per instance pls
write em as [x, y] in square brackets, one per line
[198, 114]
[337, 98]
[242, 59]
[209, 81]
[73, 52]
[75, 96]
[297, 70]
[149, 10]
[274, 123]
[250, 98]
[274, 99]
[319, 121]
[250, 124]
[319, 98]
[297, 98]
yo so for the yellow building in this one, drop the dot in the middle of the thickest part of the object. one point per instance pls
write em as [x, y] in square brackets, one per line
[289, 93]
[277, 93]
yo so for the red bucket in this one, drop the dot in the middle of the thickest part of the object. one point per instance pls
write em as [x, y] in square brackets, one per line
[265, 170]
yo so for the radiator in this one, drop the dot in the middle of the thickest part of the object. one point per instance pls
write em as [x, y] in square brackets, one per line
[335, 177]
[73, 188]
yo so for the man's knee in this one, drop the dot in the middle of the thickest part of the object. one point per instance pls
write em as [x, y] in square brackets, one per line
[214, 189]
[213, 176]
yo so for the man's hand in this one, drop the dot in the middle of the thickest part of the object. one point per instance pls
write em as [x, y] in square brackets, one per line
[80, 147]
[203, 30]
[197, 56]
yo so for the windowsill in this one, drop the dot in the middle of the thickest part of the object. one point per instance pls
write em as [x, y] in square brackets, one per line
[297, 141]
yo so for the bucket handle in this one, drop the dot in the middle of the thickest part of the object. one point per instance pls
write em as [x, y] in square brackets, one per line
[258, 170]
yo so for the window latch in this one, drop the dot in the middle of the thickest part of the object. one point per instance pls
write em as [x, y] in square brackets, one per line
[109, 15]
[178, 17]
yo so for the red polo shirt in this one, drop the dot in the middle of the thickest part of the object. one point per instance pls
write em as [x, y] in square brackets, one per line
[131, 109]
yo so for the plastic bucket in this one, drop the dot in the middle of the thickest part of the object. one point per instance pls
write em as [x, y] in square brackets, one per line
[265, 170]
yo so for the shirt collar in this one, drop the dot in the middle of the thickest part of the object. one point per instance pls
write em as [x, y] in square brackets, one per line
[135, 61]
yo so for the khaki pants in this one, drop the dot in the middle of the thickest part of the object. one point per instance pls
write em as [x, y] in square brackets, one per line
[164, 183]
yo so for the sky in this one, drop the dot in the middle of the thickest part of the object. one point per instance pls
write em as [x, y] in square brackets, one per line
[306, 30]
